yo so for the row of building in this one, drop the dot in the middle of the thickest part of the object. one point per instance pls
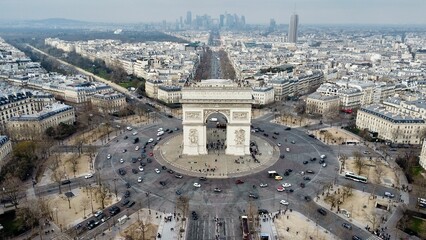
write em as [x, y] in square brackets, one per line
[149, 60]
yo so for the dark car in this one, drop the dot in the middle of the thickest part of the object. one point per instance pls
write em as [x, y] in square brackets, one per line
[306, 178]
[127, 185]
[262, 211]
[266, 135]
[310, 171]
[347, 226]
[322, 211]
[126, 137]
[178, 175]
[307, 198]
[163, 183]
[289, 170]
[135, 171]
[286, 173]
[311, 135]
[276, 133]
[164, 167]
[114, 210]
[203, 178]
[302, 185]
[170, 171]
[289, 190]
[355, 237]
[282, 156]
[66, 182]
[305, 162]
[253, 195]
[134, 160]
[125, 202]
[273, 137]
[288, 128]
[313, 159]
[127, 194]
[178, 192]
[143, 164]
[239, 181]
[131, 204]
[122, 171]
[149, 160]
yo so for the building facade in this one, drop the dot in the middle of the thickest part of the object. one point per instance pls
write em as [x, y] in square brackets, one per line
[263, 95]
[317, 103]
[422, 160]
[33, 126]
[169, 94]
[5, 148]
[390, 126]
[109, 103]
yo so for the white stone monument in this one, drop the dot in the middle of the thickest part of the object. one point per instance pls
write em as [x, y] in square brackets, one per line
[201, 100]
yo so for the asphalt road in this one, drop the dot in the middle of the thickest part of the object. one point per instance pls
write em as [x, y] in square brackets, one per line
[233, 201]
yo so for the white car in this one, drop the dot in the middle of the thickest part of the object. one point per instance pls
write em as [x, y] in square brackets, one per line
[151, 140]
[287, 149]
[157, 170]
[129, 128]
[263, 185]
[88, 176]
[136, 148]
[121, 160]
[197, 185]
[139, 179]
[160, 133]
[324, 165]
[160, 130]
[284, 202]
[134, 133]
[109, 156]
[279, 144]
[140, 169]
[285, 185]
[158, 138]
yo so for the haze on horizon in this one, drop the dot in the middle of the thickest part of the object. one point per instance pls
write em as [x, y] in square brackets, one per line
[255, 11]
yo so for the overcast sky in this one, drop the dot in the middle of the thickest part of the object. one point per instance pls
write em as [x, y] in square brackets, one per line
[255, 11]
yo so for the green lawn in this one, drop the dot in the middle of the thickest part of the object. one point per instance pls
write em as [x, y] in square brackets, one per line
[416, 170]
[418, 225]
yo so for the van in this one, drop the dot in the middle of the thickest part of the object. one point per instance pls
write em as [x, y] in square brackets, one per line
[122, 220]
[323, 156]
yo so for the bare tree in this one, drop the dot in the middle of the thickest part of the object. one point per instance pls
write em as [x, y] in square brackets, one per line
[57, 177]
[11, 189]
[101, 194]
[394, 135]
[379, 171]
[74, 163]
[359, 163]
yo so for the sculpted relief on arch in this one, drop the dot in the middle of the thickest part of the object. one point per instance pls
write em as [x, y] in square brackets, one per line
[240, 136]
[193, 136]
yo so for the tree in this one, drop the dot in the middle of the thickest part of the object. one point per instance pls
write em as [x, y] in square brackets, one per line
[395, 135]
[11, 189]
[101, 194]
[74, 163]
[359, 163]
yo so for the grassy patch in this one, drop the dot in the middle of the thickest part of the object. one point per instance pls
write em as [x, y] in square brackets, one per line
[418, 226]
[416, 170]
[12, 227]
[129, 84]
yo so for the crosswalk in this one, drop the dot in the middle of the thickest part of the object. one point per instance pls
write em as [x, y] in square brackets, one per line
[209, 227]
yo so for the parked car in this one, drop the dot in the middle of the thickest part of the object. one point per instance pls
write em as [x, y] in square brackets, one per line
[322, 211]
[217, 190]
[178, 175]
[253, 195]
[90, 175]
[239, 181]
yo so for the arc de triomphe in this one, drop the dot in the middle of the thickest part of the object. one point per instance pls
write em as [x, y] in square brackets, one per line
[201, 100]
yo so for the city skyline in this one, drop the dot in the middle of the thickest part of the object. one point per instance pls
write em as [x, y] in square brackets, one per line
[130, 11]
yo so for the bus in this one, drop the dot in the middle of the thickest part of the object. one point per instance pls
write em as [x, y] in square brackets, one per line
[356, 178]
[245, 228]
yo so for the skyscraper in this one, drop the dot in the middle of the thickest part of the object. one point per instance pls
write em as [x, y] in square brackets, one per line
[189, 18]
[292, 28]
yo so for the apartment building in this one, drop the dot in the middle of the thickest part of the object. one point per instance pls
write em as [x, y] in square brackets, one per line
[263, 95]
[109, 103]
[169, 94]
[317, 103]
[33, 126]
[5, 148]
[390, 126]
[151, 88]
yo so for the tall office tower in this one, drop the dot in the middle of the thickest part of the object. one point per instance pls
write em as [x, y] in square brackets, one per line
[189, 18]
[222, 21]
[272, 25]
[292, 28]
[243, 21]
